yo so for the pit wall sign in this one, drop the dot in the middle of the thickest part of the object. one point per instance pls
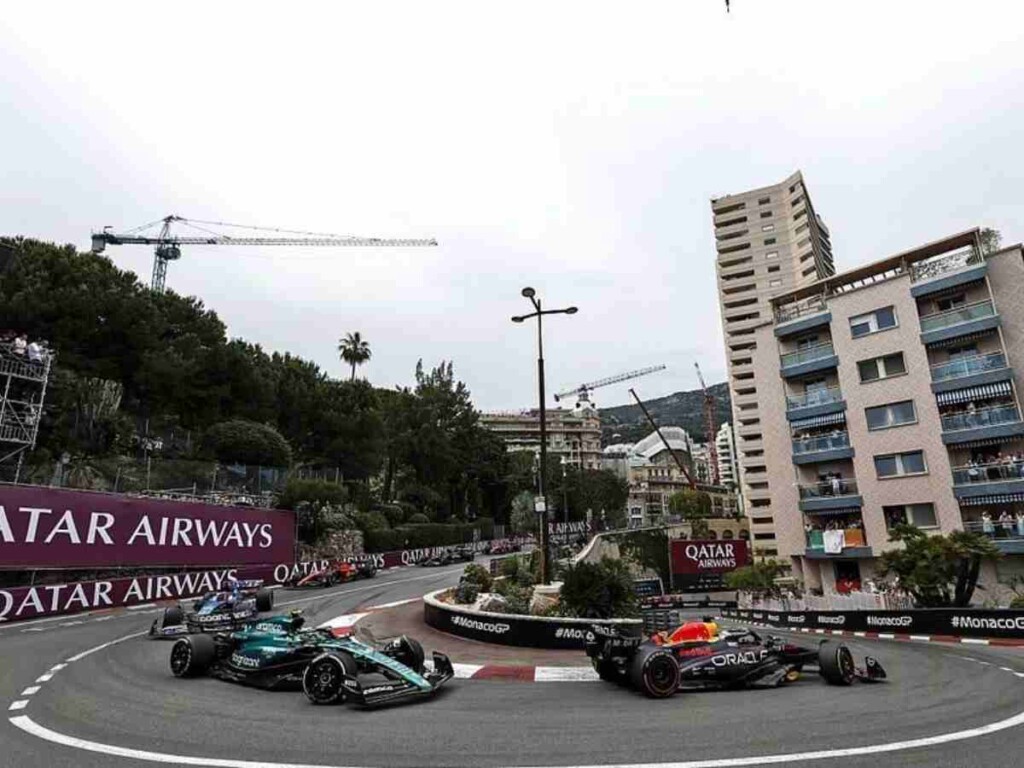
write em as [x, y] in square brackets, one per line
[57, 528]
[699, 565]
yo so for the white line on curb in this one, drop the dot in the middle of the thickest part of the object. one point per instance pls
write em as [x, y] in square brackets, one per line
[30, 691]
[922, 638]
[28, 725]
[973, 641]
[17, 705]
[45, 678]
[886, 636]
[140, 606]
[564, 674]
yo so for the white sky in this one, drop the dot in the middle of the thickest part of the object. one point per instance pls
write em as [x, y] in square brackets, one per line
[571, 146]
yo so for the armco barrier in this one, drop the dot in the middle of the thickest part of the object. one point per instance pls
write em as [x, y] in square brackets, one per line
[951, 622]
[510, 629]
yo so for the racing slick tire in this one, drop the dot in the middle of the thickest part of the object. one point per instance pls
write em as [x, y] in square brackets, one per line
[174, 616]
[324, 677]
[410, 653]
[655, 672]
[191, 656]
[264, 600]
[836, 663]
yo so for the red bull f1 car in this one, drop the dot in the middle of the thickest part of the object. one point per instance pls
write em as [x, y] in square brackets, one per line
[227, 609]
[700, 655]
[276, 653]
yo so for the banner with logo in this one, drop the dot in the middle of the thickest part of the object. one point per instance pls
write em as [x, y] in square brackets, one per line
[948, 622]
[58, 528]
[700, 565]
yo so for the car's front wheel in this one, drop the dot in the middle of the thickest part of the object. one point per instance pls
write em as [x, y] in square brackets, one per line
[264, 600]
[324, 679]
[836, 663]
[655, 672]
[192, 656]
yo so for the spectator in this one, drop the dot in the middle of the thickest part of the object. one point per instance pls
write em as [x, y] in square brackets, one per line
[35, 352]
[1006, 523]
[971, 414]
[986, 524]
[1020, 523]
[20, 345]
[972, 471]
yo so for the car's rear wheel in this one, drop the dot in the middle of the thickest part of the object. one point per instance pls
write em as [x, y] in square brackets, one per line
[323, 681]
[192, 656]
[264, 600]
[836, 663]
[173, 616]
[655, 672]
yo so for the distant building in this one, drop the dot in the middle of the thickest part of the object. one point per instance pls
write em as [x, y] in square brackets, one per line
[725, 447]
[701, 456]
[572, 435]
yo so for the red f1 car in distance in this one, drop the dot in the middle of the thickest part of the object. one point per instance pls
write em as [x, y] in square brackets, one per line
[698, 655]
[337, 572]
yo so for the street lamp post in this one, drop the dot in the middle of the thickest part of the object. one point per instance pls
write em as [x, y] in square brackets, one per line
[542, 508]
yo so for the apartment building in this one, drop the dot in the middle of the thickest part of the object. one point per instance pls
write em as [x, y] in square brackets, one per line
[725, 450]
[574, 435]
[891, 393]
[768, 241]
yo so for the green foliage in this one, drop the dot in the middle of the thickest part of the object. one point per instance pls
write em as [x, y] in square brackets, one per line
[578, 490]
[523, 519]
[297, 491]
[315, 520]
[354, 350]
[478, 575]
[691, 505]
[394, 513]
[649, 550]
[372, 521]
[599, 590]
[939, 570]
[626, 423]
[246, 442]
[418, 518]
[467, 592]
[1017, 602]
[758, 579]
[991, 239]
[517, 594]
[419, 536]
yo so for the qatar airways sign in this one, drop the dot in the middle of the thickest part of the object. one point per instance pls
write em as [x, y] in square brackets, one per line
[698, 566]
[55, 528]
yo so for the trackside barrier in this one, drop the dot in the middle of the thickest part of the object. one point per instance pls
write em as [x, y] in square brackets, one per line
[511, 629]
[950, 622]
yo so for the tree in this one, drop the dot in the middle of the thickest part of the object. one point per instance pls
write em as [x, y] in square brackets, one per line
[298, 491]
[524, 518]
[758, 579]
[694, 507]
[938, 571]
[990, 240]
[354, 350]
[245, 442]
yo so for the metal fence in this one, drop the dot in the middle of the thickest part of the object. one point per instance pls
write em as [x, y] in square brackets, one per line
[854, 601]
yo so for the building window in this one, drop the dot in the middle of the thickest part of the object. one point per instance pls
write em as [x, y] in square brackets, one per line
[772, 255]
[950, 302]
[891, 415]
[764, 536]
[919, 515]
[773, 269]
[896, 464]
[881, 367]
[799, 214]
[764, 200]
[775, 283]
[770, 241]
[767, 227]
[872, 322]
[808, 271]
[766, 214]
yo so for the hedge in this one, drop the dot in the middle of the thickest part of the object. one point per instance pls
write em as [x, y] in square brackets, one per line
[426, 535]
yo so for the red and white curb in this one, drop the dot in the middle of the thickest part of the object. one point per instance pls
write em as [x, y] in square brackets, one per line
[994, 641]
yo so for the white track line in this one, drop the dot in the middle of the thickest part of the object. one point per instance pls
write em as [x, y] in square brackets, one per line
[564, 674]
[140, 606]
[28, 725]
[83, 654]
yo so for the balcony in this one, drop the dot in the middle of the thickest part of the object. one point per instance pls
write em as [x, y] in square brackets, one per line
[842, 542]
[996, 422]
[803, 316]
[815, 402]
[949, 271]
[809, 450]
[829, 495]
[961, 321]
[970, 371]
[820, 357]
[976, 481]
[1009, 538]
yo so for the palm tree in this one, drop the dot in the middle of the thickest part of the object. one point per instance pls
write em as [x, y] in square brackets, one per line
[354, 350]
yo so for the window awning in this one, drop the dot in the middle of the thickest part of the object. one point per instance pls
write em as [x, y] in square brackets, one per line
[958, 340]
[819, 421]
[983, 501]
[833, 512]
[984, 442]
[999, 389]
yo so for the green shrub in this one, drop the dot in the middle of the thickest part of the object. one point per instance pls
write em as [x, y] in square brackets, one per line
[466, 592]
[418, 518]
[477, 574]
[298, 491]
[393, 512]
[518, 597]
[1017, 601]
[372, 521]
[246, 442]
[599, 590]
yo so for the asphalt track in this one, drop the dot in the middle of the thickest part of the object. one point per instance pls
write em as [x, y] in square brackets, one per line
[124, 698]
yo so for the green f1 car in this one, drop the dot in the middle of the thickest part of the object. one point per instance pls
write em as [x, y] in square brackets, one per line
[276, 653]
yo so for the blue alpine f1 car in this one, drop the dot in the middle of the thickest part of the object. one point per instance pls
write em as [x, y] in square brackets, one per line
[276, 653]
[225, 610]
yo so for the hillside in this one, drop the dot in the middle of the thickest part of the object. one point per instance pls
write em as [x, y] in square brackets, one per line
[626, 423]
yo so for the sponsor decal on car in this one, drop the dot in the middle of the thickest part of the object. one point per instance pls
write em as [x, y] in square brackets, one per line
[889, 621]
[740, 657]
[270, 628]
[383, 688]
[241, 660]
[496, 628]
[698, 651]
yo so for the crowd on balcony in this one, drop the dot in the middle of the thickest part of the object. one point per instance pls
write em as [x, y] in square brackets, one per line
[829, 484]
[1006, 526]
[995, 466]
[835, 534]
[18, 346]
[972, 415]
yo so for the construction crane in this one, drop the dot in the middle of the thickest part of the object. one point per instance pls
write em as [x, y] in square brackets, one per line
[168, 245]
[710, 425]
[654, 425]
[583, 390]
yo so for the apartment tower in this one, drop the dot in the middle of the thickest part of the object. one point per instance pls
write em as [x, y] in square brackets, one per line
[768, 241]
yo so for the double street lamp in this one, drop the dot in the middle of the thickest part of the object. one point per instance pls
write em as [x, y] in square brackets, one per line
[541, 506]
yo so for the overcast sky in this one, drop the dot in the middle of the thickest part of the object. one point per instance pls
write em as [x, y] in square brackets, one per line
[568, 146]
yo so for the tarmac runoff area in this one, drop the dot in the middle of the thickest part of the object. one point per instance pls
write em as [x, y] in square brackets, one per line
[97, 693]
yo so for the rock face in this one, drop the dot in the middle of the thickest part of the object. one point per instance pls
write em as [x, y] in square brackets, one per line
[493, 603]
[337, 545]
